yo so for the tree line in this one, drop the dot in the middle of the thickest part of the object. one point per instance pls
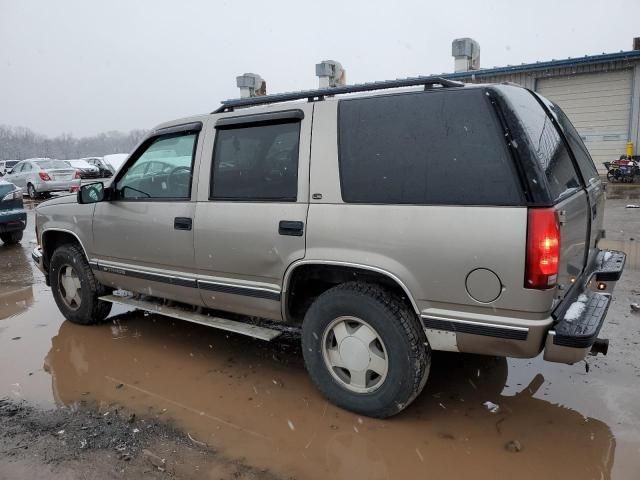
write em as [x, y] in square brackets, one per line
[18, 143]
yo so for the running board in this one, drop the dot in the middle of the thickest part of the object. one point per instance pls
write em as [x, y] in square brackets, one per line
[254, 331]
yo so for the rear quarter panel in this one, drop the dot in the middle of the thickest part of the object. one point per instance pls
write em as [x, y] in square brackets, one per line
[431, 249]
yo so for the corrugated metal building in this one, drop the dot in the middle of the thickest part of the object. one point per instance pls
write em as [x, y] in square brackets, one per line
[599, 93]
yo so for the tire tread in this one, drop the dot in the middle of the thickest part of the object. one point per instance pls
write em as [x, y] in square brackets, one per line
[419, 350]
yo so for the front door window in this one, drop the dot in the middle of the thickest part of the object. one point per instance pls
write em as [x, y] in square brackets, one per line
[163, 171]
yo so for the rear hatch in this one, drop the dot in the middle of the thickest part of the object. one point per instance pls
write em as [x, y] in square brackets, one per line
[588, 171]
[572, 188]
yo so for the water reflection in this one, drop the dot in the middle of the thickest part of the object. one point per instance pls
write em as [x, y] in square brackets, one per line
[254, 400]
[15, 301]
[16, 293]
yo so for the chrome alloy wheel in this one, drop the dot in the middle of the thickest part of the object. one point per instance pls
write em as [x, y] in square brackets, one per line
[69, 287]
[355, 354]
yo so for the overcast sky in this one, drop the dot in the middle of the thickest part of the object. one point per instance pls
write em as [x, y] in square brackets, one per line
[83, 66]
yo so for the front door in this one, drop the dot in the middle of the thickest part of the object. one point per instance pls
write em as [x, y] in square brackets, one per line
[143, 237]
[252, 207]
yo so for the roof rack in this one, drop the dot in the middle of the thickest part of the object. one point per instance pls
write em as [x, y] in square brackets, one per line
[319, 94]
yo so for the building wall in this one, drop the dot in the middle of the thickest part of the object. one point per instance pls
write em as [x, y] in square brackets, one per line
[532, 78]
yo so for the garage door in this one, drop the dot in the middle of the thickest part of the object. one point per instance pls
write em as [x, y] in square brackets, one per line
[599, 105]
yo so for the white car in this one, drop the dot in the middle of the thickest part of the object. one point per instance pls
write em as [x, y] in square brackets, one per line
[116, 160]
[6, 165]
[41, 176]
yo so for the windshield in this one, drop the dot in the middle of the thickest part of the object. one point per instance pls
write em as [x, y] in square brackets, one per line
[51, 164]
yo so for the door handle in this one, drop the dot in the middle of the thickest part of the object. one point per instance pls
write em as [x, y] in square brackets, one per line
[182, 223]
[291, 227]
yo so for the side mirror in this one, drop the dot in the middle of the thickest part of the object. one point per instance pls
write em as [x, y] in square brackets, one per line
[91, 193]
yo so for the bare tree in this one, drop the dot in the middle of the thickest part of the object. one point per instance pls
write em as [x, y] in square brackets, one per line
[18, 143]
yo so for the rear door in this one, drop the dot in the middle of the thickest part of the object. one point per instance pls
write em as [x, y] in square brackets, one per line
[563, 183]
[253, 199]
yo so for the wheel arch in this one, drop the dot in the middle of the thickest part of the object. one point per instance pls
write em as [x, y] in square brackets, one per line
[54, 237]
[339, 272]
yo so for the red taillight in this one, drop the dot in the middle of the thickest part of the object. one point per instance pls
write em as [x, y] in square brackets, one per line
[44, 176]
[77, 175]
[543, 248]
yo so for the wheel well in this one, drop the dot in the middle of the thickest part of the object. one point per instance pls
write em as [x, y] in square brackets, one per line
[52, 239]
[307, 282]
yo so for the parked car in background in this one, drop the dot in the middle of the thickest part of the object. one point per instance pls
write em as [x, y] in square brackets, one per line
[6, 165]
[42, 176]
[85, 169]
[13, 217]
[115, 160]
[105, 170]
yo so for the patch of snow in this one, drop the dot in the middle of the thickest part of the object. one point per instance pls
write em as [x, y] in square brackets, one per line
[607, 256]
[575, 310]
[492, 407]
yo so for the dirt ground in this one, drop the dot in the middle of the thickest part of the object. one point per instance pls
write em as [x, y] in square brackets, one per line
[144, 396]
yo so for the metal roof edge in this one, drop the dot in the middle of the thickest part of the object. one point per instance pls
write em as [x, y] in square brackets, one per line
[529, 67]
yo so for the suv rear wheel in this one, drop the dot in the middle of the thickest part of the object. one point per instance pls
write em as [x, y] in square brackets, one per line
[365, 350]
[11, 238]
[74, 287]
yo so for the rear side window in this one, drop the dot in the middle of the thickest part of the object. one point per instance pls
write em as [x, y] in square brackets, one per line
[256, 162]
[549, 148]
[424, 148]
[580, 152]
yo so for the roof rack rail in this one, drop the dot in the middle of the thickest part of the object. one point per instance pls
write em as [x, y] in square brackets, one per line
[319, 94]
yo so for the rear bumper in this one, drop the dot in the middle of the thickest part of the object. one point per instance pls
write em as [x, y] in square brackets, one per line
[13, 220]
[57, 186]
[582, 313]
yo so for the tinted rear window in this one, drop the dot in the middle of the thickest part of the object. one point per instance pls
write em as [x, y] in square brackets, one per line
[548, 147]
[424, 148]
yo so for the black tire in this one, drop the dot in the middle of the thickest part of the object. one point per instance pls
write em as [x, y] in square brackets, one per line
[31, 191]
[11, 238]
[90, 310]
[407, 349]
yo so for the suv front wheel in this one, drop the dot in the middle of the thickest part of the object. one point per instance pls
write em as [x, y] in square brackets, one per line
[365, 350]
[75, 289]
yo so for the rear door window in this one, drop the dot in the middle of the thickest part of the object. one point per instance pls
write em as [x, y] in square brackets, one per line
[256, 163]
[440, 147]
[547, 144]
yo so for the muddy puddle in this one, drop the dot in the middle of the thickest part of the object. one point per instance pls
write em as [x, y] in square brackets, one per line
[253, 400]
